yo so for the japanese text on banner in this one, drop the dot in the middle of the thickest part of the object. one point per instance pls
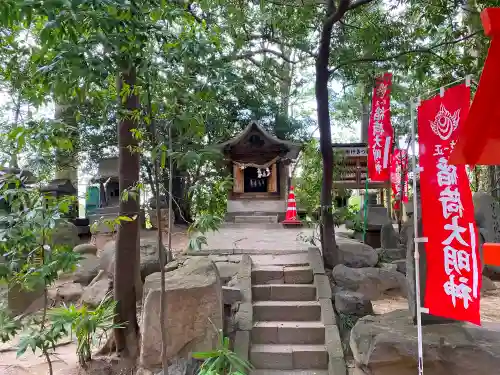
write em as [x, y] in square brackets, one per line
[453, 270]
[399, 176]
[380, 130]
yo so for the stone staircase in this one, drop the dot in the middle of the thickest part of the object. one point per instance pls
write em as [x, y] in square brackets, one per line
[293, 327]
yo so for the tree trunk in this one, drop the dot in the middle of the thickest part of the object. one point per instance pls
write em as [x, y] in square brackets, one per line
[492, 180]
[14, 160]
[66, 160]
[328, 243]
[127, 244]
[181, 206]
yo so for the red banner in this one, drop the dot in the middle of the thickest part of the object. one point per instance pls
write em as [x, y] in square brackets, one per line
[399, 177]
[380, 130]
[453, 264]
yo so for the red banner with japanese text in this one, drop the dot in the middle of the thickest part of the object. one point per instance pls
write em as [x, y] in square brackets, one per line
[399, 177]
[453, 264]
[380, 130]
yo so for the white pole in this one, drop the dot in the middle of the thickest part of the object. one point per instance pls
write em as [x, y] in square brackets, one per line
[416, 239]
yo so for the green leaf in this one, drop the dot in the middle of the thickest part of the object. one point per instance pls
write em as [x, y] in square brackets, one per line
[205, 355]
[163, 158]
[125, 218]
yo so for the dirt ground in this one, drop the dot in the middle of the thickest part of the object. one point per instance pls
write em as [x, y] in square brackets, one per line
[490, 302]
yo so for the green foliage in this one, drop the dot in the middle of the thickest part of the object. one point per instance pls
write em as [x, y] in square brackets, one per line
[111, 223]
[9, 325]
[197, 230]
[308, 183]
[31, 259]
[210, 196]
[347, 322]
[88, 325]
[349, 213]
[222, 361]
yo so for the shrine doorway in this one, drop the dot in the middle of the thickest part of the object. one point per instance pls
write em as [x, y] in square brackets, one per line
[252, 182]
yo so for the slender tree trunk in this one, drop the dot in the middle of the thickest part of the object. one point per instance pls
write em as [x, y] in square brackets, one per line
[328, 242]
[14, 160]
[492, 180]
[181, 206]
[127, 244]
[66, 163]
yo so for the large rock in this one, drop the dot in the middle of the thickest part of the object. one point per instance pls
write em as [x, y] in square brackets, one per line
[391, 254]
[389, 238]
[87, 268]
[85, 248]
[69, 293]
[487, 217]
[487, 212]
[19, 300]
[94, 294]
[487, 285]
[149, 262]
[178, 366]
[352, 303]
[400, 265]
[356, 254]
[371, 282]
[387, 345]
[227, 270]
[194, 311]
[65, 233]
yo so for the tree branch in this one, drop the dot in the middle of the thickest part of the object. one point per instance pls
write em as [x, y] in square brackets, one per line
[336, 13]
[249, 54]
[271, 39]
[428, 50]
[358, 3]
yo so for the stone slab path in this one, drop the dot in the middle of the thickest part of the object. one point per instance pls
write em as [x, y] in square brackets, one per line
[257, 238]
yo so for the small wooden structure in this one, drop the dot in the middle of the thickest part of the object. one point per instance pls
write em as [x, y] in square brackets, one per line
[62, 187]
[259, 164]
[353, 171]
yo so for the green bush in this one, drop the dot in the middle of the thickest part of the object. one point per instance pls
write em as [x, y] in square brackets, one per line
[89, 326]
[222, 361]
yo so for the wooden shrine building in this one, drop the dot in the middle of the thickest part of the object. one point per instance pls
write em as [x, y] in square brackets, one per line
[353, 172]
[260, 166]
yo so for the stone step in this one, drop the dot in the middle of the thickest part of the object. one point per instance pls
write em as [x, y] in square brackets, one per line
[304, 333]
[284, 292]
[288, 357]
[256, 219]
[269, 311]
[282, 275]
[289, 372]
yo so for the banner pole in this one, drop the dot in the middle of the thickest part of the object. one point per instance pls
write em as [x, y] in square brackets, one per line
[365, 210]
[413, 108]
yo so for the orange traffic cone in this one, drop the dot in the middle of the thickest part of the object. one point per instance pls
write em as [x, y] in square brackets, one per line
[291, 210]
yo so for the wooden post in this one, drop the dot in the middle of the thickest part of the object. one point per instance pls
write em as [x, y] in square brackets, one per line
[272, 180]
[388, 201]
[238, 184]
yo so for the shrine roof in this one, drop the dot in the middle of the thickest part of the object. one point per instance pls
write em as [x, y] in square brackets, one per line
[293, 148]
[60, 185]
[347, 145]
